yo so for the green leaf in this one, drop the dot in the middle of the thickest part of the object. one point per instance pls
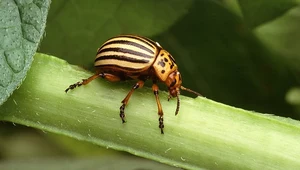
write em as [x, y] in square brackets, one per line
[22, 25]
[204, 134]
[260, 12]
[282, 37]
[77, 29]
[277, 27]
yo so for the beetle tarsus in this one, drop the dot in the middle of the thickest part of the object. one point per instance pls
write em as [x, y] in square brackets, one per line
[73, 86]
[161, 124]
[122, 114]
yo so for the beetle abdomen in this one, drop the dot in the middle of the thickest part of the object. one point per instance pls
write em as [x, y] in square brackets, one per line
[126, 53]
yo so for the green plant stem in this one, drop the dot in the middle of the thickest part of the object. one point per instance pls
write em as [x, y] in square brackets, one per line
[205, 134]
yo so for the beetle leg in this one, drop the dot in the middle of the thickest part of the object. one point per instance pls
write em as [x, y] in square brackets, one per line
[83, 82]
[160, 111]
[139, 84]
[109, 77]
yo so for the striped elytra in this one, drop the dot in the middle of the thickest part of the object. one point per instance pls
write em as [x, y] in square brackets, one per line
[127, 57]
[127, 53]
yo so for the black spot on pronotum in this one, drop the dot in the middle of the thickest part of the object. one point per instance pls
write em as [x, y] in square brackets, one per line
[166, 60]
[173, 83]
[171, 65]
[161, 63]
[162, 54]
[163, 71]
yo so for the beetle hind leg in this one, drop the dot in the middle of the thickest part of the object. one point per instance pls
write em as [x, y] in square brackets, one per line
[139, 84]
[160, 111]
[83, 82]
[107, 76]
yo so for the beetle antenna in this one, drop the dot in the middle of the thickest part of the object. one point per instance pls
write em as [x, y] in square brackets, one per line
[178, 105]
[189, 90]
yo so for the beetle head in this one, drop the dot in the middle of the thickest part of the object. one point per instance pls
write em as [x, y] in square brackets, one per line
[174, 82]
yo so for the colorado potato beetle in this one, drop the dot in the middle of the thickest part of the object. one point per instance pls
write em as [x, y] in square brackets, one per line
[127, 57]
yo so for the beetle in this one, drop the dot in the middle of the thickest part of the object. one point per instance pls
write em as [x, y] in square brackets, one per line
[127, 57]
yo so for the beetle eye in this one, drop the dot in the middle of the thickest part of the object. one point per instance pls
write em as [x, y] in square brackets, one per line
[173, 83]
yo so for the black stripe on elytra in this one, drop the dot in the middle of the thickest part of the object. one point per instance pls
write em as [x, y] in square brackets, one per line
[143, 39]
[128, 51]
[130, 43]
[122, 58]
[116, 66]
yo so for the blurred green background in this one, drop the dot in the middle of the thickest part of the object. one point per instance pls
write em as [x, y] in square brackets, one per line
[238, 52]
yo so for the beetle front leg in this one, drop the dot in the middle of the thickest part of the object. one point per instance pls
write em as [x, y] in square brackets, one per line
[139, 84]
[160, 111]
